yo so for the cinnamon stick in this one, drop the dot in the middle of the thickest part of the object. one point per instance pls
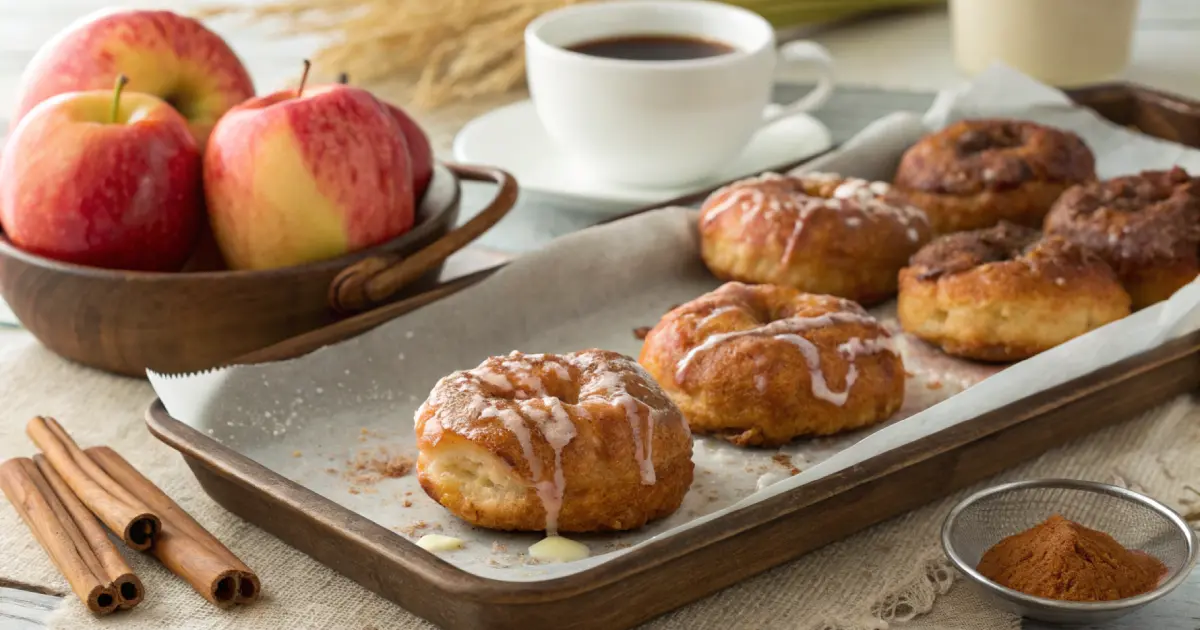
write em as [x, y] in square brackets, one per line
[183, 545]
[53, 528]
[116, 507]
[127, 587]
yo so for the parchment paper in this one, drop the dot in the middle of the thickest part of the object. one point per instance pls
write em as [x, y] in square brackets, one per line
[306, 418]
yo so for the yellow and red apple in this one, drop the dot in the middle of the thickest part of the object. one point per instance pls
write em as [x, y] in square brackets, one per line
[305, 175]
[103, 180]
[163, 53]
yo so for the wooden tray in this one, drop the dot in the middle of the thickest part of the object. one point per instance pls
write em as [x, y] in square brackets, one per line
[683, 568]
[687, 566]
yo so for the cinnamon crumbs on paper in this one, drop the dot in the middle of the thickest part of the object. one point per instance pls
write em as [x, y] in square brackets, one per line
[1062, 560]
[640, 332]
[370, 466]
[412, 529]
[785, 460]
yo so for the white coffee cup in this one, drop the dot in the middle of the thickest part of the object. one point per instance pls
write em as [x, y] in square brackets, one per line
[660, 123]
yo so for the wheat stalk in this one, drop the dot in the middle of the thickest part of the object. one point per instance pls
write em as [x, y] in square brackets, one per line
[457, 50]
[450, 51]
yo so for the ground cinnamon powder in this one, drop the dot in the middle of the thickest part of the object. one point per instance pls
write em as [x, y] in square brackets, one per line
[1060, 559]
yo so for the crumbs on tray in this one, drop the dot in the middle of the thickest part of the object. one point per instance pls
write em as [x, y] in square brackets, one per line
[370, 466]
[413, 528]
[785, 460]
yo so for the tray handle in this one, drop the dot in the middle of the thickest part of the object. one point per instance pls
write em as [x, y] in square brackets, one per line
[371, 281]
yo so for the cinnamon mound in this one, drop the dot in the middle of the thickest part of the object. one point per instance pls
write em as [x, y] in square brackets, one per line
[1063, 560]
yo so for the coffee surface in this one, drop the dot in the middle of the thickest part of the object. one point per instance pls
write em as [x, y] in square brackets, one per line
[652, 47]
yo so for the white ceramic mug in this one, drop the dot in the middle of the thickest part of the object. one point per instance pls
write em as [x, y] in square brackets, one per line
[660, 123]
[1060, 42]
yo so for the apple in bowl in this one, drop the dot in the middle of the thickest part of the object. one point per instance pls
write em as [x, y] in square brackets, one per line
[419, 149]
[301, 175]
[103, 179]
[163, 53]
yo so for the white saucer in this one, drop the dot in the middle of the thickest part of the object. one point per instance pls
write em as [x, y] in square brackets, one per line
[512, 138]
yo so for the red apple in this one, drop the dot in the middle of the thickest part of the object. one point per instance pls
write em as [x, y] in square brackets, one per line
[419, 151]
[419, 148]
[306, 175]
[103, 180]
[165, 54]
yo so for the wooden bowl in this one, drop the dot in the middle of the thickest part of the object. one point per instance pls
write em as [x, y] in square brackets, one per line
[128, 321]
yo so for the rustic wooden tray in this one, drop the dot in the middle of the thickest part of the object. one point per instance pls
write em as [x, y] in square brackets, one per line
[685, 567]
[682, 568]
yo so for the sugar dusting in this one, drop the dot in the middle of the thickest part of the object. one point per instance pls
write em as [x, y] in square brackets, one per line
[854, 199]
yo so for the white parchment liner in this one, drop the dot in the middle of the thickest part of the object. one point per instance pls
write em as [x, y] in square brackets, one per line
[305, 418]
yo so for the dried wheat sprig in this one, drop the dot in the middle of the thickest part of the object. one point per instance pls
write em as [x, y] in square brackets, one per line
[450, 50]
[453, 50]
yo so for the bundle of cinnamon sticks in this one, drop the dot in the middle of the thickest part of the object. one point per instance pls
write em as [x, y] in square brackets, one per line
[65, 493]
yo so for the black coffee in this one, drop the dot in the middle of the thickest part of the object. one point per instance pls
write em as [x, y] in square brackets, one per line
[652, 47]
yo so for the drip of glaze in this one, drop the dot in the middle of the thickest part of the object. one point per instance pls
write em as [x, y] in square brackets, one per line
[734, 198]
[855, 347]
[717, 312]
[558, 431]
[797, 228]
[756, 207]
[820, 387]
[531, 408]
[611, 381]
[554, 423]
[515, 423]
[790, 325]
[558, 549]
[495, 379]
[870, 197]
[788, 330]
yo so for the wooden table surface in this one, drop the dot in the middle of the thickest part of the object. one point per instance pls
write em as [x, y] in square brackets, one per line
[1165, 53]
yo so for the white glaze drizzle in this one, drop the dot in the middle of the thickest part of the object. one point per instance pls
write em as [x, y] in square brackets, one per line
[789, 330]
[739, 193]
[558, 430]
[531, 408]
[798, 227]
[496, 379]
[869, 197]
[817, 382]
[735, 197]
[609, 384]
[855, 347]
[717, 312]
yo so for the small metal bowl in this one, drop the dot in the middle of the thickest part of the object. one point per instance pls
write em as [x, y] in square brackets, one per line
[1134, 520]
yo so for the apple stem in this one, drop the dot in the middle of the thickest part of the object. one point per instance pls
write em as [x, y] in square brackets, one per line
[303, 78]
[344, 78]
[117, 89]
